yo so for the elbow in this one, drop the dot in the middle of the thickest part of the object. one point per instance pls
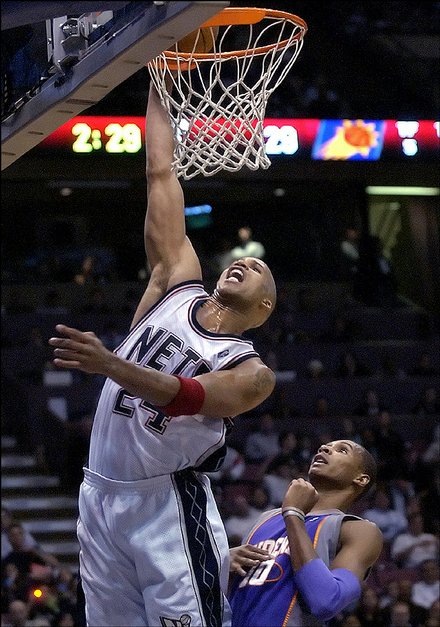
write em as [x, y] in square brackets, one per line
[322, 609]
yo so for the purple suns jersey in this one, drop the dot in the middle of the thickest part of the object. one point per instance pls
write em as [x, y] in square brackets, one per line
[132, 439]
[267, 596]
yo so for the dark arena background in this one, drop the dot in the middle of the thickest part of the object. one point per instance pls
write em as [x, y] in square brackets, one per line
[352, 239]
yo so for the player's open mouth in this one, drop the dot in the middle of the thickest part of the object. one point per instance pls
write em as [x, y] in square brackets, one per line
[235, 275]
[319, 459]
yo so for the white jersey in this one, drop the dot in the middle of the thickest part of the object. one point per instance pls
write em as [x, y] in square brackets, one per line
[132, 439]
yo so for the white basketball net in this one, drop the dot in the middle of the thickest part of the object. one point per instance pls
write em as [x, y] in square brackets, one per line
[217, 105]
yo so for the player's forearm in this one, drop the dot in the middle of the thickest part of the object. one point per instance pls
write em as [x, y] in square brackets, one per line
[159, 136]
[153, 386]
[301, 547]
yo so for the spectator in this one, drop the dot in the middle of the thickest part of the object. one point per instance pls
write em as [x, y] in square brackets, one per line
[417, 614]
[390, 447]
[88, 274]
[277, 481]
[289, 451]
[349, 431]
[350, 252]
[370, 406]
[413, 547]
[433, 617]
[97, 303]
[368, 610]
[390, 595]
[263, 443]
[64, 619]
[260, 499]
[426, 592]
[247, 246]
[341, 330]
[18, 615]
[431, 455]
[350, 366]
[375, 283]
[29, 541]
[52, 304]
[315, 369]
[400, 615]
[241, 520]
[24, 558]
[390, 521]
[428, 404]
[403, 496]
[424, 367]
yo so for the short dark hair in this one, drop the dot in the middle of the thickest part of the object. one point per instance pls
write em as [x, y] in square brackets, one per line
[369, 466]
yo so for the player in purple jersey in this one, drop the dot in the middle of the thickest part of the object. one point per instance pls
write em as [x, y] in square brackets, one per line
[153, 547]
[316, 555]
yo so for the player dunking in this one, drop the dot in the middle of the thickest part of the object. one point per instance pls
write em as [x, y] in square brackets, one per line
[318, 555]
[153, 550]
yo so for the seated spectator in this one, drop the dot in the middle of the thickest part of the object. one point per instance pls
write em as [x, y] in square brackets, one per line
[390, 594]
[260, 500]
[277, 481]
[315, 369]
[424, 367]
[370, 406]
[289, 451]
[263, 443]
[400, 615]
[247, 247]
[349, 431]
[390, 368]
[350, 366]
[64, 619]
[88, 274]
[390, 447]
[97, 302]
[417, 614]
[18, 615]
[403, 496]
[390, 521]
[29, 541]
[426, 591]
[368, 610]
[431, 455]
[53, 304]
[433, 617]
[24, 558]
[349, 247]
[428, 404]
[341, 330]
[413, 547]
[241, 521]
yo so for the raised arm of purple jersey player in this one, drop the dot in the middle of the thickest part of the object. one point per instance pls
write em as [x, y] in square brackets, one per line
[171, 257]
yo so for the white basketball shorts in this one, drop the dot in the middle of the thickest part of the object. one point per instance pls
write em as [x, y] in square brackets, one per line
[153, 553]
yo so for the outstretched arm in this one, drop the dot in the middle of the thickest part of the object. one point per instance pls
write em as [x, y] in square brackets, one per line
[225, 393]
[170, 255]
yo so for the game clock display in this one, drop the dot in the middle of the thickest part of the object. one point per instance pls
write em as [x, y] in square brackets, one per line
[292, 138]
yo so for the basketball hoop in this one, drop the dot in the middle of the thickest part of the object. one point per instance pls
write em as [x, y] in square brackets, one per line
[218, 98]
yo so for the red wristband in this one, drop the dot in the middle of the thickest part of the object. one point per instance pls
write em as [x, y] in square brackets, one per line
[188, 400]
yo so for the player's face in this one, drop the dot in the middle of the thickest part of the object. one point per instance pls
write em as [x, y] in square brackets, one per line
[248, 278]
[339, 461]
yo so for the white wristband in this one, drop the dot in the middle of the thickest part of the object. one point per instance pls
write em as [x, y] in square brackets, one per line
[293, 512]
